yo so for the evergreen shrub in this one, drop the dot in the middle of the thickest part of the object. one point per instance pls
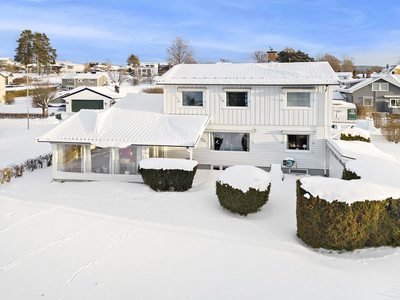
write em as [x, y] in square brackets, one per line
[236, 201]
[168, 180]
[340, 226]
[349, 137]
[349, 175]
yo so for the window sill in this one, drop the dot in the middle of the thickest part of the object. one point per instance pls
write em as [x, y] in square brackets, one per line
[192, 106]
[236, 107]
[297, 108]
[297, 151]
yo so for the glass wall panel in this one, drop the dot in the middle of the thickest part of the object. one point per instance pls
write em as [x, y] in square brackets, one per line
[70, 158]
[126, 161]
[100, 158]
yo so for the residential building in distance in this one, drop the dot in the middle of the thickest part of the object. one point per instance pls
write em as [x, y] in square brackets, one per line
[2, 88]
[68, 67]
[71, 81]
[4, 61]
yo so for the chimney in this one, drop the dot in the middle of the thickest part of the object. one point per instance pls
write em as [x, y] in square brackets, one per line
[368, 75]
[116, 87]
[271, 55]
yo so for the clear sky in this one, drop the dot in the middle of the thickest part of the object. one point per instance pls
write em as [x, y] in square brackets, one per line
[87, 30]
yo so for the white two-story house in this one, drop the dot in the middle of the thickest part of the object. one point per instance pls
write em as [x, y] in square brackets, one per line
[218, 114]
[260, 114]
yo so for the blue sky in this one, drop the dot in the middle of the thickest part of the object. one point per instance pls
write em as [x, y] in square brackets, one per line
[88, 30]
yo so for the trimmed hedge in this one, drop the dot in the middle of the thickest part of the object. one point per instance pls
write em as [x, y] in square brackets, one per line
[236, 201]
[340, 226]
[349, 137]
[168, 180]
[23, 116]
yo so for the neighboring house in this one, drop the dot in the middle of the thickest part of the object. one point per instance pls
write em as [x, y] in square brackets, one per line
[394, 70]
[382, 93]
[4, 61]
[71, 81]
[218, 114]
[344, 75]
[2, 88]
[68, 67]
[9, 77]
[146, 70]
[98, 97]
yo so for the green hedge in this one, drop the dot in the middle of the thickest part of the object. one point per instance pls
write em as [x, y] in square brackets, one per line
[236, 201]
[349, 175]
[349, 137]
[340, 226]
[168, 180]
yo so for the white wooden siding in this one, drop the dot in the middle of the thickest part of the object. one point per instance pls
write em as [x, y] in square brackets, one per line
[267, 146]
[266, 106]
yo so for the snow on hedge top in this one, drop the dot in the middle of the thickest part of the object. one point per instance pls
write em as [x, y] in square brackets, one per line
[168, 164]
[246, 177]
[354, 131]
[379, 174]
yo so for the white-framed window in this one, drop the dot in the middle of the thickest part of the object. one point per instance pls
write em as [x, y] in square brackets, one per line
[81, 80]
[92, 80]
[298, 142]
[237, 98]
[70, 80]
[394, 102]
[192, 98]
[298, 99]
[230, 141]
[368, 102]
[380, 86]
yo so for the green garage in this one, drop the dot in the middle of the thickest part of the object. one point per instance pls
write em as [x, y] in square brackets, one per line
[77, 105]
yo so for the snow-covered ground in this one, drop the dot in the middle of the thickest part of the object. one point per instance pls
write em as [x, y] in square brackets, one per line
[113, 240]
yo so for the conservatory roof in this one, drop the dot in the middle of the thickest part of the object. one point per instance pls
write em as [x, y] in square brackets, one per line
[129, 122]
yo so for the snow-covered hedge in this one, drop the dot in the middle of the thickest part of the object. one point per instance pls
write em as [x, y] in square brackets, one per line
[167, 174]
[339, 225]
[243, 189]
[355, 134]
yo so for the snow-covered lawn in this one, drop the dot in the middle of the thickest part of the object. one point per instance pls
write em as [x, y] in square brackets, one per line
[112, 240]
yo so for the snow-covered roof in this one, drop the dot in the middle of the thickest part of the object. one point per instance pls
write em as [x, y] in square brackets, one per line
[302, 73]
[342, 103]
[338, 96]
[83, 76]
[104, 90]
[129, 122]
[393, 79]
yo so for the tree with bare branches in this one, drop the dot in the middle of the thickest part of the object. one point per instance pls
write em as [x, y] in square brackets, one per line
[180, 52]
[43, 94]
[332, 60]
[117, 76]
[348, 63]
[260, 56]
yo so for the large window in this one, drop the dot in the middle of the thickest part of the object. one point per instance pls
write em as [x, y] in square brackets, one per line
[192, 98]
[298, 142]
[236, 99]
[126, 162]
[70, 158]
[380, 86]
[395, 102]
[100, 159]
[229, 141]
[301, 99]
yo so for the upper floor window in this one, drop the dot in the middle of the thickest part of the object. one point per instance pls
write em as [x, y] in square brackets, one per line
[295, 99]
[380, 86]
[236, 99]
[192, 98]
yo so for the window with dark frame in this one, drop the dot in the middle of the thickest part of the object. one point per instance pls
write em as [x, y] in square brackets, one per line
[236, 99]
[230, 141]
[298, 142]
[192, 98]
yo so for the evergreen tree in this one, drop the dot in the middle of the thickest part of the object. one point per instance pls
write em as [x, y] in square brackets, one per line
[293, 56]
[133, 60]
[34, 47]
[24, 51]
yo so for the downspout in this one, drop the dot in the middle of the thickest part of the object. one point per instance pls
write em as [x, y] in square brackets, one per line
[325, 111]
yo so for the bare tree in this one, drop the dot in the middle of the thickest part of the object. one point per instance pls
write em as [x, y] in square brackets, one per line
[348, 63]
[117, 76]
[180, 52]
[332, 60]
[260, 56]
[42, 95]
